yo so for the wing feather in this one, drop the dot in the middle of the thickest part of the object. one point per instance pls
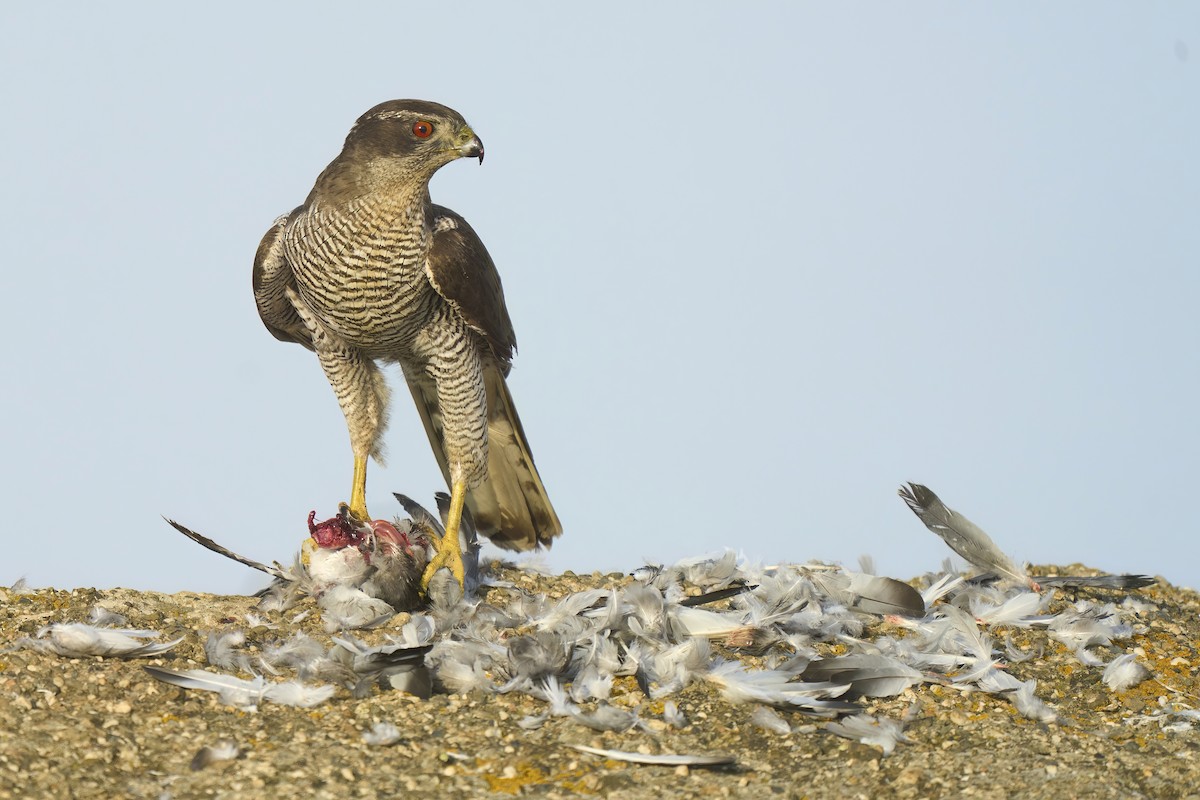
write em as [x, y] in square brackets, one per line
[463, 273]
[272, 278]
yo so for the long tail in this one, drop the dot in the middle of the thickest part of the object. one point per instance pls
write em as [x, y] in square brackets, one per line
[511, 507]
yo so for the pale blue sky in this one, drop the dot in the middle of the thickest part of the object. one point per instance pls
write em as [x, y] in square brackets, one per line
[765, 262]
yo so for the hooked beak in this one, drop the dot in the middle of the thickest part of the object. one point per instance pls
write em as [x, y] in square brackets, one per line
[471, 145]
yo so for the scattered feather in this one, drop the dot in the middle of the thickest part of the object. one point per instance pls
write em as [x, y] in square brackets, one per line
[222, 750]
[941, 587]
[382, 734]
[1018, 611]
[464, 678]
[299, 652]
[664, 759]
[79, 640]
[716, 595]
[878, 732]
[673, 716]
[1021, 693]
[101, 616]
[556, 696]
[244, 694]
[299, 695]
[869, 675]
[1124, 673]
[687, 621]
[396, 666]
[532, 722]
[607, 718]
[567, 652]
[1087, 624]
[963, 536]
[875, 594]
[275, 571]
[766, 718]
[773, 687]
[222, 650]
[347, 608]
[1098, 581]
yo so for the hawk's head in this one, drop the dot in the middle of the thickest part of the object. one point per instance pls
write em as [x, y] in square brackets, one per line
[411, 136]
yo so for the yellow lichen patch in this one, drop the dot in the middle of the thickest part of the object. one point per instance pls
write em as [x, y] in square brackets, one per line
[515, 778]
[1172, 671]
[577, 780]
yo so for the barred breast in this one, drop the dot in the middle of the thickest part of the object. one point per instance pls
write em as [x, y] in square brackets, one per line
[360, 267]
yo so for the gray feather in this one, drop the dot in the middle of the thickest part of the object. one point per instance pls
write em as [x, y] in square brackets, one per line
[1097, 581]
[868, 674]
[225, 551]
[879, 595]
[961, 535]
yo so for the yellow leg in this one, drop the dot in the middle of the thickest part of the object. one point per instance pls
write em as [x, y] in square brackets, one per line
[449, 553]
[358, 491]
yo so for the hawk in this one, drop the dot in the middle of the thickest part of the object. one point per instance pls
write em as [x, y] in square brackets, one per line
[370, 271]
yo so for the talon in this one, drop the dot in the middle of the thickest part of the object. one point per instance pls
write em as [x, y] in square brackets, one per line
[449, 552]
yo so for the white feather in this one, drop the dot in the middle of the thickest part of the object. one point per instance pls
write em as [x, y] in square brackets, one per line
[553, 693]
[740, 685]
[703, 623]
[221, 650]
[294, 693]
[879, 732]
[246, 694]
[766, 718]
[299, 652]
[382, 734]
[673, 716]
[1018, 611]
[1021, 693]
[1124, 673]
[347, 607]
[79, 640]
[941, 587]
[233, 691]
[99, 615]
[463, 678]
[570, 606]
[662, 759]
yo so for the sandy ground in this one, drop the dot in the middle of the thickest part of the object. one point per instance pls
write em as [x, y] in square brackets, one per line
[104, 728]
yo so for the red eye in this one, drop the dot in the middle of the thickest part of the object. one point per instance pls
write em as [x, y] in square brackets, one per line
[422, 129]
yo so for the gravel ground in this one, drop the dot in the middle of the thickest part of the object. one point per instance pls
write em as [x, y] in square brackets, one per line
[104, 728]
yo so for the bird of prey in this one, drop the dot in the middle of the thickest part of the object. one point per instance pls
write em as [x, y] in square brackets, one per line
[369, 270]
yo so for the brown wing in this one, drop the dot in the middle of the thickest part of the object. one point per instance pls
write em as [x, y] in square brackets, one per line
[462, 272]
[272, 278]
